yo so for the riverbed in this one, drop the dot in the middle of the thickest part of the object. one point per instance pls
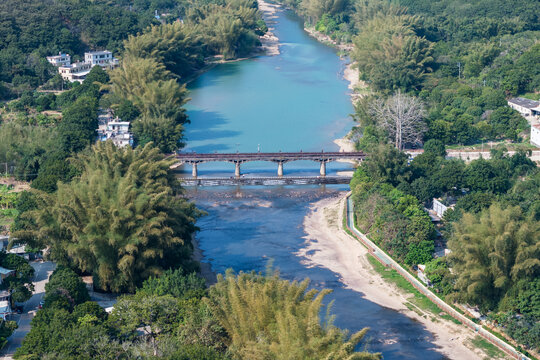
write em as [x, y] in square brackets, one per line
[295, 100]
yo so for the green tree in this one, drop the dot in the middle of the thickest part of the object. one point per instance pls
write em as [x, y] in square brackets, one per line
[66, 283]
[389, 53]
[174, 283]
[78, 127]
[387, 164]
[252, 307]
[131, 223]
[492, 252]
[157, 315]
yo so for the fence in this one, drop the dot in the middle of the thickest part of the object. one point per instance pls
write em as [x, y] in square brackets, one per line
[386, 260]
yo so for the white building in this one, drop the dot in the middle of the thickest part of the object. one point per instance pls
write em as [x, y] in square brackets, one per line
[115, 129]
[60, 59]
[78, 71]
[440, 207]
[75, 72]
[118, 132]
[525, 107]
[535, 135]
[101, 58]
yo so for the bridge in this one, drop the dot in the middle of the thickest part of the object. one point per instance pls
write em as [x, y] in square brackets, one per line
[280, 158]
[270, 180]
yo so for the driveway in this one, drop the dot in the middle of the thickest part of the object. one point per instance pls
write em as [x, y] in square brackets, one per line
[41, 277]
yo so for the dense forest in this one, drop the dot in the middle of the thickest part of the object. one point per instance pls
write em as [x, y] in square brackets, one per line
[493, 231]
[39, 131]
[462, 59]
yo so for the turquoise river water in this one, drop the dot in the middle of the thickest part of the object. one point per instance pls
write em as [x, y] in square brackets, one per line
[293, 101]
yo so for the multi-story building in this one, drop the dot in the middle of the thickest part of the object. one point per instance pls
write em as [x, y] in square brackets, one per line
[118, 132]
[60, 59]
[75, 72]
[101, 58]
[78, 70]
[114, 129]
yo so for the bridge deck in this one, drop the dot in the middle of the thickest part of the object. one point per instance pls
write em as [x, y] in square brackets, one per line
[268, 181]
[276, 157]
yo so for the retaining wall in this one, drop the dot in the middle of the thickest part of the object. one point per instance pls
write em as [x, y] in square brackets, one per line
[386, 260]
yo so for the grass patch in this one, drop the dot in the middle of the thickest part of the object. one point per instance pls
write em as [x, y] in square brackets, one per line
[391, 275]
[450, 318]
[491, 350]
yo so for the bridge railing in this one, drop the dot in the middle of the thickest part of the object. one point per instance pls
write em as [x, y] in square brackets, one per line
[279, 158]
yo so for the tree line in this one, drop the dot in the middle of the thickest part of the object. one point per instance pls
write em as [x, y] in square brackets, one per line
[154, 64]
[180, 318]
[461, 59]
[493, 232]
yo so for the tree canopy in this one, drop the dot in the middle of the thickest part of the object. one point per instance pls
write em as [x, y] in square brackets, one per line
[122, 220]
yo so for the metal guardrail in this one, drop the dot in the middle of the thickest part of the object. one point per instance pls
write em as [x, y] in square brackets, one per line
[386, 260]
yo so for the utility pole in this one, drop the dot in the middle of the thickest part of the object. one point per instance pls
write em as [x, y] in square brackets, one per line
[459, 70]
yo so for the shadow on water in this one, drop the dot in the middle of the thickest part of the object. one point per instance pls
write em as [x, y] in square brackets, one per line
[225, 70]
[207, 128]
[247, 226]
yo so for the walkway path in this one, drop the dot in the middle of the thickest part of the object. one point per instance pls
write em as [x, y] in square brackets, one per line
[41, 277]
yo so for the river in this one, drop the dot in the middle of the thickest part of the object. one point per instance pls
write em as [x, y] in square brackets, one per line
[294, 101]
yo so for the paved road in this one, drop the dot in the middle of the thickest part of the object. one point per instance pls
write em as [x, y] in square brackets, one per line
[41, 277]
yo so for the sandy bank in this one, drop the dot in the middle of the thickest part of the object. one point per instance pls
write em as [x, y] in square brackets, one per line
[328, 245]
[269, 41]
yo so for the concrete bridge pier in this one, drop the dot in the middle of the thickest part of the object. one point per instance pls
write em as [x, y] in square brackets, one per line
[237, 172]
[194, 170]
[280, 168]
[323, 168]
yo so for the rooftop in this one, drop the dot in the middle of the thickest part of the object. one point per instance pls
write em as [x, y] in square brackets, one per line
[5, 271]
[527, 103]
[118, 122]
[104, 52]
[57, 56]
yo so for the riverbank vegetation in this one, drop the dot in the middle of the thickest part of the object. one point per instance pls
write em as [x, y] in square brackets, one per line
[39, 131]
[175, 317]
[493, 231]
[461, 59]
[122, 220]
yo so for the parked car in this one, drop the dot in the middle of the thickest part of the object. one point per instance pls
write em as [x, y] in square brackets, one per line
[41, 303]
